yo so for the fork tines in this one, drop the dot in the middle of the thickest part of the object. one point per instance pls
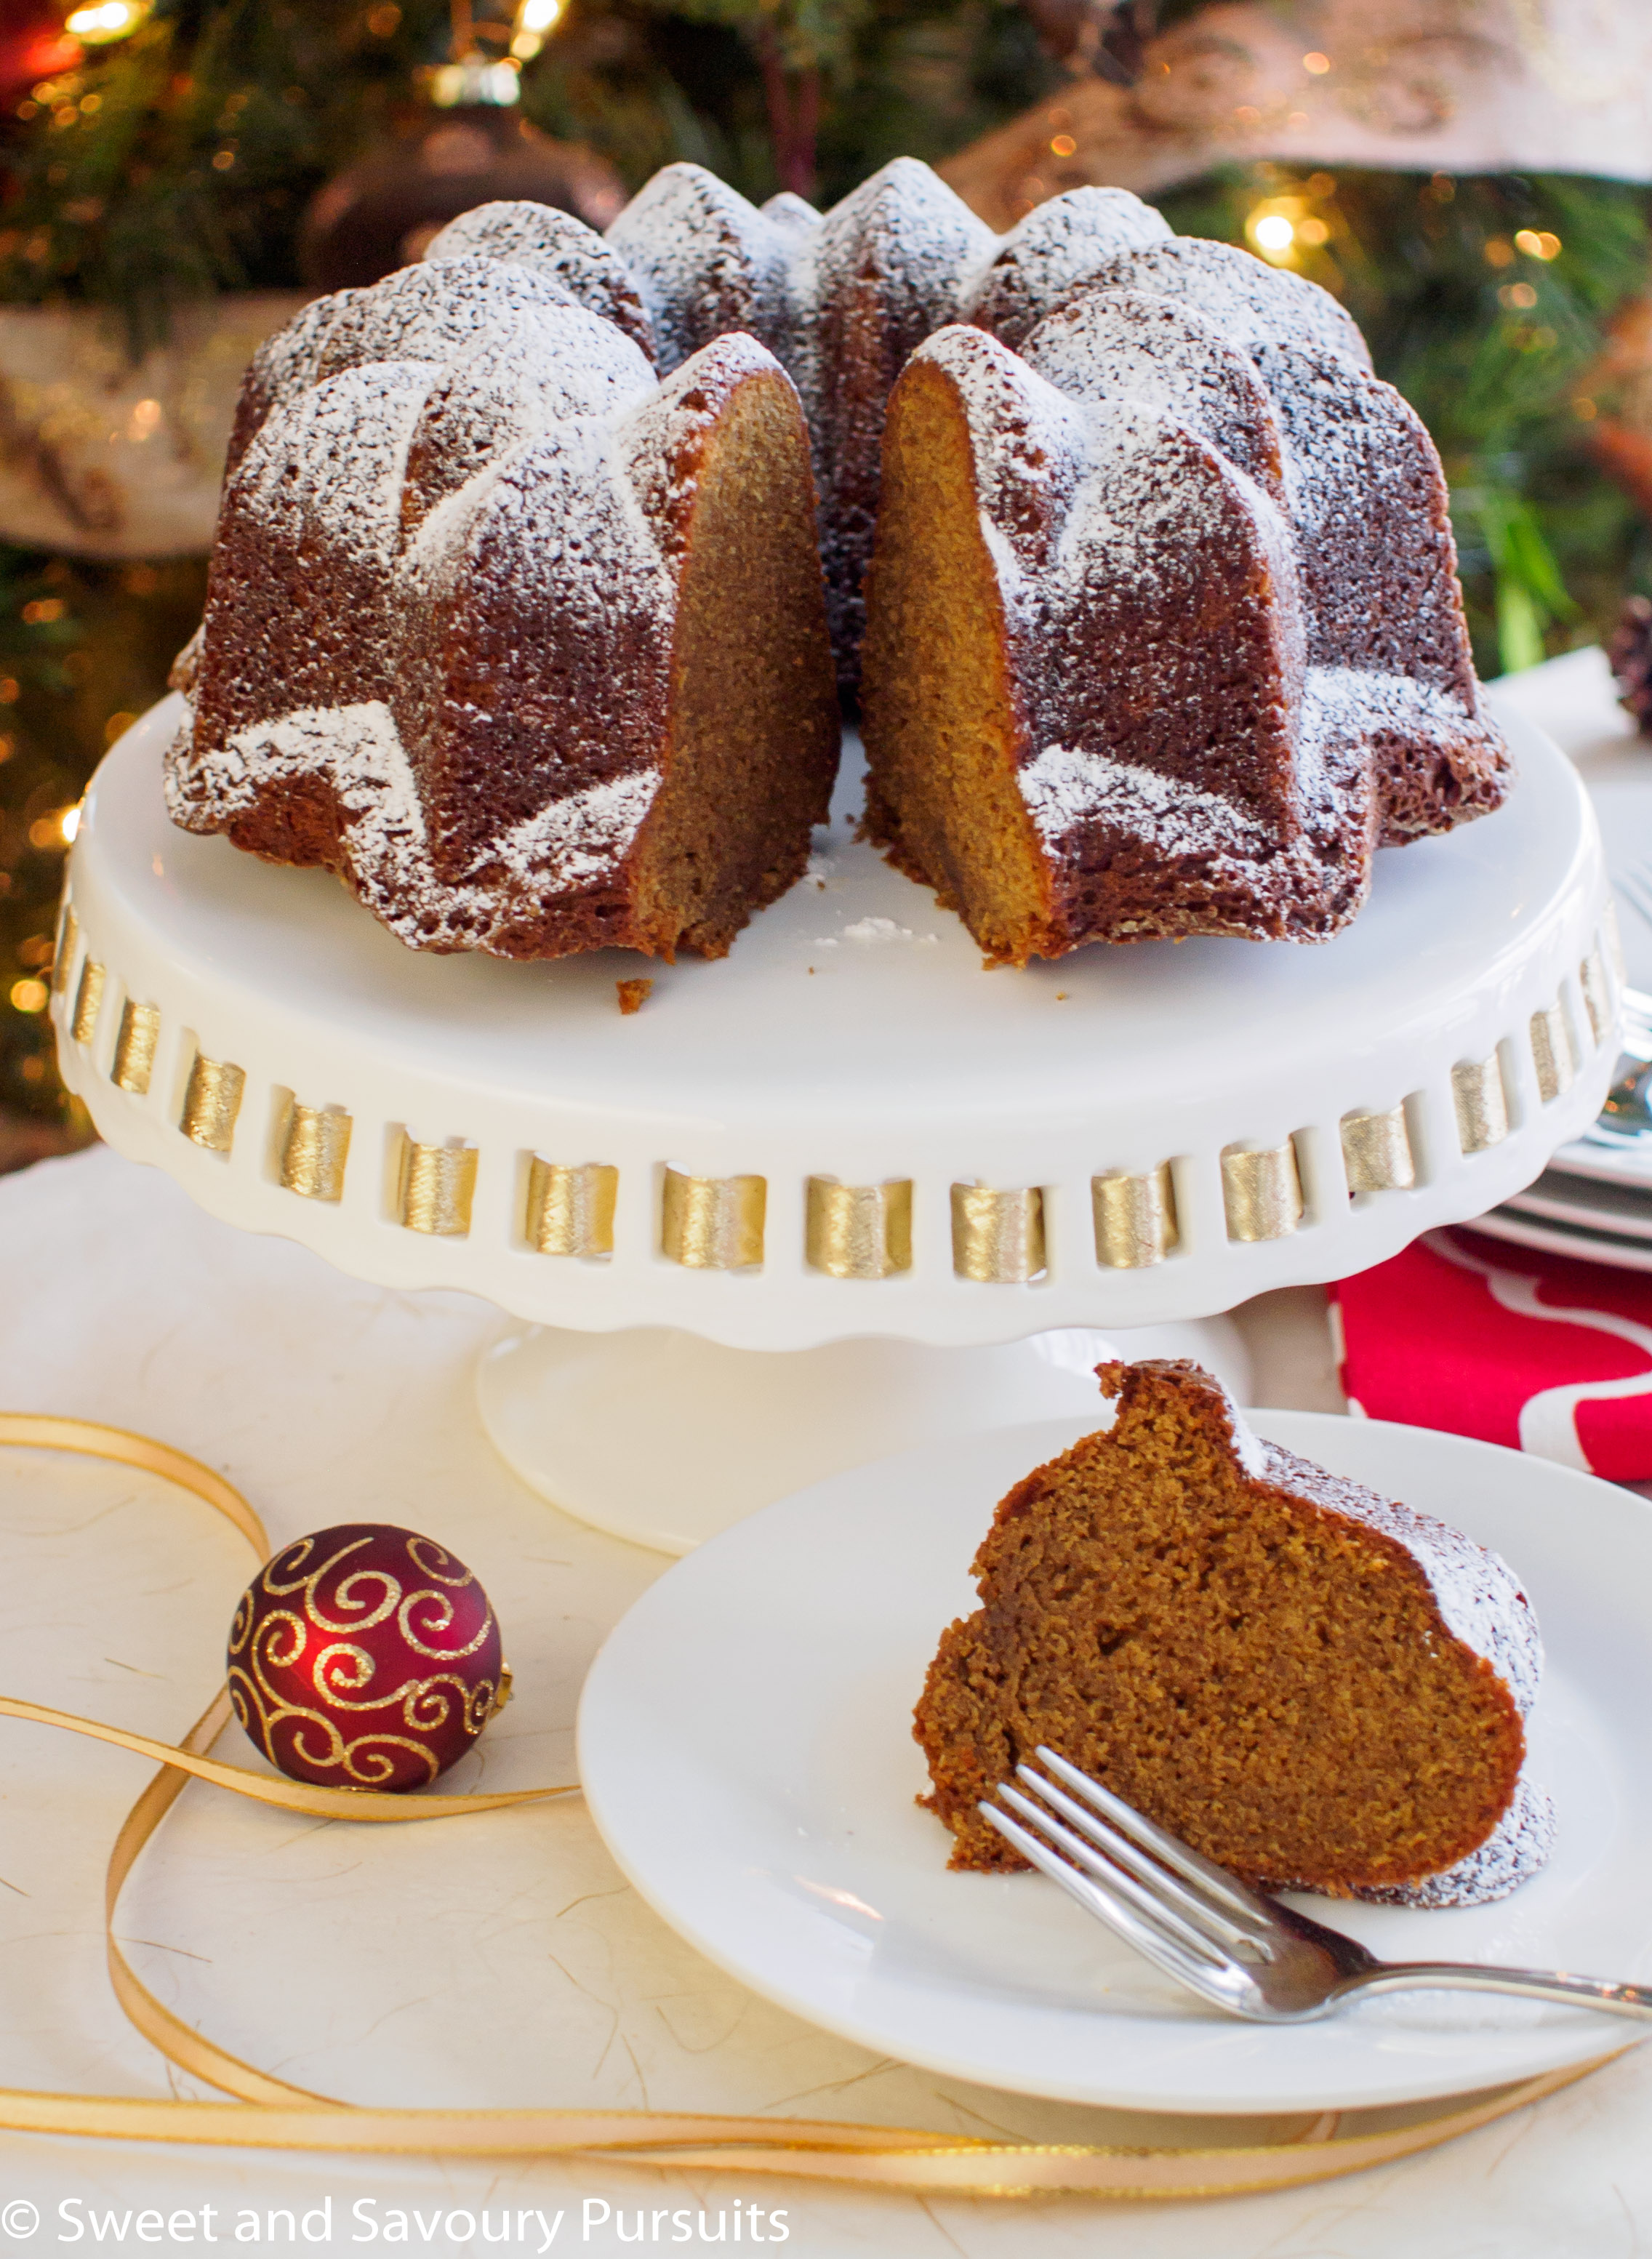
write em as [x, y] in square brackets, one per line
[1190, 1917]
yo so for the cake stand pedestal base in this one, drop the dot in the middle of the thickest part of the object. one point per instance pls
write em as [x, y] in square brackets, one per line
[664, 1439]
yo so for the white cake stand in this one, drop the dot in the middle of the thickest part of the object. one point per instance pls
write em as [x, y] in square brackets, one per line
[839, 1178]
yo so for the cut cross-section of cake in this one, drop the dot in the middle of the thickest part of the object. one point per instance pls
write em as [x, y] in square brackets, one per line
[1310, 1684]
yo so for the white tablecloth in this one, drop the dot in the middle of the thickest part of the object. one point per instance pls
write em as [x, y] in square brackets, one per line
[500, 1960]
[489, 1961]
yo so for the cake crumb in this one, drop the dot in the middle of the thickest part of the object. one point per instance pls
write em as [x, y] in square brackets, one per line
[633, 994]
[1061, 996]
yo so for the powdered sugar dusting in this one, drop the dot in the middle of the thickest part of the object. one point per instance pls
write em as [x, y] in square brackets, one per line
[1128, 345]
[1480, 1603]
[1519, 1846]
[357, 753]
[708, 262]
[1257, 305]
[558, 247]
[1057, 244]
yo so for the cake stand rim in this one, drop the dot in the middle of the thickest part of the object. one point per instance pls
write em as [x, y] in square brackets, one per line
[1571, 864]
[786, 1303]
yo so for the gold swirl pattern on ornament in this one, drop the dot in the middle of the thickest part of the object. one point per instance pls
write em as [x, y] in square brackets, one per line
[273, 2114]
[343, 1671]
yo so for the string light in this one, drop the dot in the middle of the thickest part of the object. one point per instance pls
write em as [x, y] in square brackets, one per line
[494, 85]
[1280, 228]
[535, 20]
[106, 21]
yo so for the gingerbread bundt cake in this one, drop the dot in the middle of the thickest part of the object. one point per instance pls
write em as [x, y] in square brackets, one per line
[522, 635]
[1311, 1685]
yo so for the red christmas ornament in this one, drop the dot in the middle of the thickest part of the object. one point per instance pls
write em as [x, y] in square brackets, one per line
[365, 1657]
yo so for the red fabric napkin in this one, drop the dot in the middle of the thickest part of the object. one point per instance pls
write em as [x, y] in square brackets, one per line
[1542, 1352]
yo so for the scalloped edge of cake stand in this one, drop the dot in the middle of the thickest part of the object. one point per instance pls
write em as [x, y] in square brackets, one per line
[213, 1011]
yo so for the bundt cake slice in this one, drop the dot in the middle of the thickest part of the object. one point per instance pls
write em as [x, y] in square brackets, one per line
[1084, 668]
[527, 647]
[1313, 1687]
[1163, 723]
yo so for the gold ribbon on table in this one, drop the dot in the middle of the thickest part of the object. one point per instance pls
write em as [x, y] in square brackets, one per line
[271, 2114]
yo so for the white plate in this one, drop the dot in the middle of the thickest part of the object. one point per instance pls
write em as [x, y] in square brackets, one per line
[745, 1748]
[1627, 1163]
[1625, 809]
[1586, 1204]
[1607, 1247]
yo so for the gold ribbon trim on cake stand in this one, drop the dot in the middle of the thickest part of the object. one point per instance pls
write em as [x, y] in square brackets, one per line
[1551, 1051]
[271, 2114]
[1481, 1103]
[1135, 1217]
[315, 1146]
[1596, 995]
[89, 1002]
[211, 1103]
[69, 937]
[1261, 1191]
[571, 1209]
[998, 1237]
[1377, 1153]
[135, 1047]
[712, 1223]
[858, 1231]
[436, 1185]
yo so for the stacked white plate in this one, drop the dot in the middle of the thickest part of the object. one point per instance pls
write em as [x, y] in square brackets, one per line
[1595, 1197]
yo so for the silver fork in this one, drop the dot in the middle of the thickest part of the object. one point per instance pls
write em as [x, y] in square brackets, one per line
[1199, 1924]
[1626, 1113]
